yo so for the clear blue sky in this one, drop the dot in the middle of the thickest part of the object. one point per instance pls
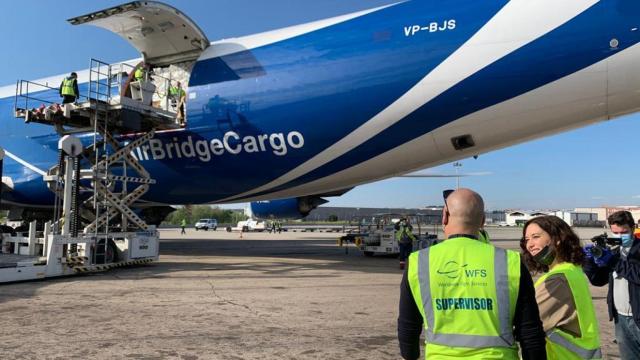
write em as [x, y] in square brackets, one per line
[586, 167]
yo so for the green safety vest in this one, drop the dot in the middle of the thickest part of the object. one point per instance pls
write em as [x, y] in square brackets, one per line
[562, 345]
[466, 291]
[67, 87]
[400, 233]
[177, 92]
[140, 73]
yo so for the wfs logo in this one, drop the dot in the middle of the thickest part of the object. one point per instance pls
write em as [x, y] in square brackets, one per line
[453, 270]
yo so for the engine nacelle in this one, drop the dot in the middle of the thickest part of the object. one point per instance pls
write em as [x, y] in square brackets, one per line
[292, 208]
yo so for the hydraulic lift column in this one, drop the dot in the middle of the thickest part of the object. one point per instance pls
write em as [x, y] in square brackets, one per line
[72, 147]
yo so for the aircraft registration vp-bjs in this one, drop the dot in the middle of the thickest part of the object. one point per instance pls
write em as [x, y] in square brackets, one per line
[316, 109]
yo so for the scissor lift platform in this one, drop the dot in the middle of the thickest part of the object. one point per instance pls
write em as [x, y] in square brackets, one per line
[109, 100]
[122, 115]
[13, 261]
[130, 114]
[47, 256]
[94, 227]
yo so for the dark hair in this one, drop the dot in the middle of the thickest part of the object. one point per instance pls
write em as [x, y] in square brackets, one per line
[621, 218]
[74, 74]
[564, 242]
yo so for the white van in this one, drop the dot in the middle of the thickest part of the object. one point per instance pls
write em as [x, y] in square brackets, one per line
[206, 224]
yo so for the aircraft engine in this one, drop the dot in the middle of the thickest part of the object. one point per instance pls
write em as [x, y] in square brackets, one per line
[155, 215]
[292, 208]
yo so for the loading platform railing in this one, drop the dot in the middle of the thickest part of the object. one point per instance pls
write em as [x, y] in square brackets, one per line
[110, 87]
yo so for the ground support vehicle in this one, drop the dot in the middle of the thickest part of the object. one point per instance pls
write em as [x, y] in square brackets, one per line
[206, 224]
[95, 184]
[376, 235]
[248, 226]
[39, 256]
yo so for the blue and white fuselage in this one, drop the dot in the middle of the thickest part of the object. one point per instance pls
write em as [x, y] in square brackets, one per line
[336, 103]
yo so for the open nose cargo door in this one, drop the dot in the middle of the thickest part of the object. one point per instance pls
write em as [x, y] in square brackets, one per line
[161, 33]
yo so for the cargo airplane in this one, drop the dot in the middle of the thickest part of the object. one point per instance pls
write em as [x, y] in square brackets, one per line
[310, 111]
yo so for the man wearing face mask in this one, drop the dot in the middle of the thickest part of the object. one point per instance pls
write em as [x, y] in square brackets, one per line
[620, 268]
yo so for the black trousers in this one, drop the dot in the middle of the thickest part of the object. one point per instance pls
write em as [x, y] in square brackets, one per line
[405, 250]
[67, 99]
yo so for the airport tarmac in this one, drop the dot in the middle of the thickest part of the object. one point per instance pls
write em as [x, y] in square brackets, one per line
[213, 295]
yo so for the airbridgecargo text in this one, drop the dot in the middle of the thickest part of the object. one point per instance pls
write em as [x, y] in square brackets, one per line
[231, 143]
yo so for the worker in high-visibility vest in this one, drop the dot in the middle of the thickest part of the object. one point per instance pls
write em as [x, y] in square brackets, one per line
[177, 92]
[405, 239]
[183, 225]
[141, 72]
[178, 95]
[69, 89]
[473, 299]
[549, 246]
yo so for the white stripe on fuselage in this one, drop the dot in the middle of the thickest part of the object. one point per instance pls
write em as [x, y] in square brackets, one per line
[574, 101]
[25, 163]
[515, 25]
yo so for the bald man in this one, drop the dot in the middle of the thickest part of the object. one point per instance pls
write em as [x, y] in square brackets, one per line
[473, 299]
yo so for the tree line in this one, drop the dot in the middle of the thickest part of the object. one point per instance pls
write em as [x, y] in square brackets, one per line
[193, 213]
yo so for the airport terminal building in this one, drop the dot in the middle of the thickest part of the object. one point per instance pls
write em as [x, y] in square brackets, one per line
[431, 215]
[591, 217]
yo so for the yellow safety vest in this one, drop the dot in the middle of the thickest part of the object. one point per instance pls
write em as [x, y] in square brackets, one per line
[562, 345]
[177, 92]
[140, 73]
[404, 229]
[466, 291]
[67, 87]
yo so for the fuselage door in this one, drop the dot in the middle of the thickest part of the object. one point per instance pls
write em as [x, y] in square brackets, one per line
[162, 33]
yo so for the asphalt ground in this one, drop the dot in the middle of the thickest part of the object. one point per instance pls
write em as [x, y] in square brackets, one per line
[214, 295]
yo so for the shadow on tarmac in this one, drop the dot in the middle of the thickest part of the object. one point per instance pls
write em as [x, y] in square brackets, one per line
[215, 259]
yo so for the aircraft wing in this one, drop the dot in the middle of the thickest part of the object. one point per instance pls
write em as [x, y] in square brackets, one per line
[416, 175]
[162, 34]
[334, 193]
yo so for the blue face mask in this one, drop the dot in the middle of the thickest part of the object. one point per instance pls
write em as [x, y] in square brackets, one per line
[626, 239]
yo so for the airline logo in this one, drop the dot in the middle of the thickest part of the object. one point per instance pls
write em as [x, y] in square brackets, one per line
[231, 143]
